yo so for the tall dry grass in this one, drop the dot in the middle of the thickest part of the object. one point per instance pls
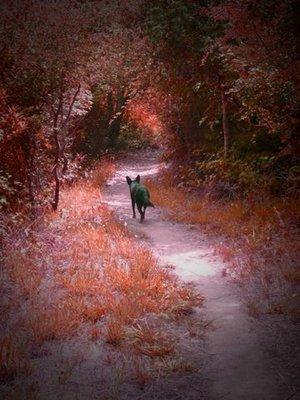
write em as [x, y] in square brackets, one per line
[78, 270]
[258, 238]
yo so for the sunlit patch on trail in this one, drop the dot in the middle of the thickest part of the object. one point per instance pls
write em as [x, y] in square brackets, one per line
[190, 265]
[117, 201]
[144, 171]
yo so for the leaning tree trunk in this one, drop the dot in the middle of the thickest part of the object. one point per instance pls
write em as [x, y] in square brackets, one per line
[56, 172]
[28, 147]
[31, 169]
[60, 143]
[114, 130]
[115, 123]
[226, 134]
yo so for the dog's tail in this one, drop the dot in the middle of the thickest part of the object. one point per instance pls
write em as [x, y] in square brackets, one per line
[150, 204]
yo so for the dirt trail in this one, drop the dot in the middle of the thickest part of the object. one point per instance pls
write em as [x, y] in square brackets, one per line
[236, 365]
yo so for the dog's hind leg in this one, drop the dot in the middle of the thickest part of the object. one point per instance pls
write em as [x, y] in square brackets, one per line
[141, 212]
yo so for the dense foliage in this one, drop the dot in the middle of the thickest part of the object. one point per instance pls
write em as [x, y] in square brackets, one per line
[44, 48]
[233, 77]
[213, 82]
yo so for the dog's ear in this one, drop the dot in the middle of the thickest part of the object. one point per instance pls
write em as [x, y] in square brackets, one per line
[137, 179]
[128, 180]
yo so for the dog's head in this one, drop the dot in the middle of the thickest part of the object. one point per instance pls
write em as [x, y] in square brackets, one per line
[130, 181]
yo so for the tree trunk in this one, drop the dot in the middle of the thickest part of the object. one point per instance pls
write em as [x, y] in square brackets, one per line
[110, 108]
[28, 147]
[56, 191]
[60, 147]
[226, 134]
[56, 172]
[114, 130]
[116, 121]
[31, 171]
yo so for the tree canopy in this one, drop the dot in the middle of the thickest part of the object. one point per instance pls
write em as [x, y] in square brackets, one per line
[214, 82]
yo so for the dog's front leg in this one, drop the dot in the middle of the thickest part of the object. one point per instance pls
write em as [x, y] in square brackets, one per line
[143, 213]
[133, 207]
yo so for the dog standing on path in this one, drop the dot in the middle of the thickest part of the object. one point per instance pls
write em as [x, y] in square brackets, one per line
[139, 195]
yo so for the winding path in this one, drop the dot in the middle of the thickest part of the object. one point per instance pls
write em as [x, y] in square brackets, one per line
[235, 365]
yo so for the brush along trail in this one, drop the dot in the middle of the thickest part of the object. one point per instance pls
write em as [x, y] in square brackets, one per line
[236, 366]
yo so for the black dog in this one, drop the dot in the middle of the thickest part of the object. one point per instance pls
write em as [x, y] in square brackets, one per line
[139, 195]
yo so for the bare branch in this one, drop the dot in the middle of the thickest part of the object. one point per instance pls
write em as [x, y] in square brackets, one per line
[71, 105]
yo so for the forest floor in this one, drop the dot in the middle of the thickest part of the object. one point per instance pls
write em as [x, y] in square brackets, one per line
[96, 305]
[243, 355]
[87, 312]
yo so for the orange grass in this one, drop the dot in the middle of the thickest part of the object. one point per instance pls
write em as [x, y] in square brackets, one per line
[13, 360]
[23, 273]
[49, 323]
[102, 171]
[150, 341]
[226, 217]
[263, 233]
[114, 331]
[80, 267]
[142, 375]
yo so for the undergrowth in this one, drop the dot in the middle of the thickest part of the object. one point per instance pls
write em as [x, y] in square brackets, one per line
[78, 275]
[258, 238]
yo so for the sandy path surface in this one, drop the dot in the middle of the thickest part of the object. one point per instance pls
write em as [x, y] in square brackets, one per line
[236, 367]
